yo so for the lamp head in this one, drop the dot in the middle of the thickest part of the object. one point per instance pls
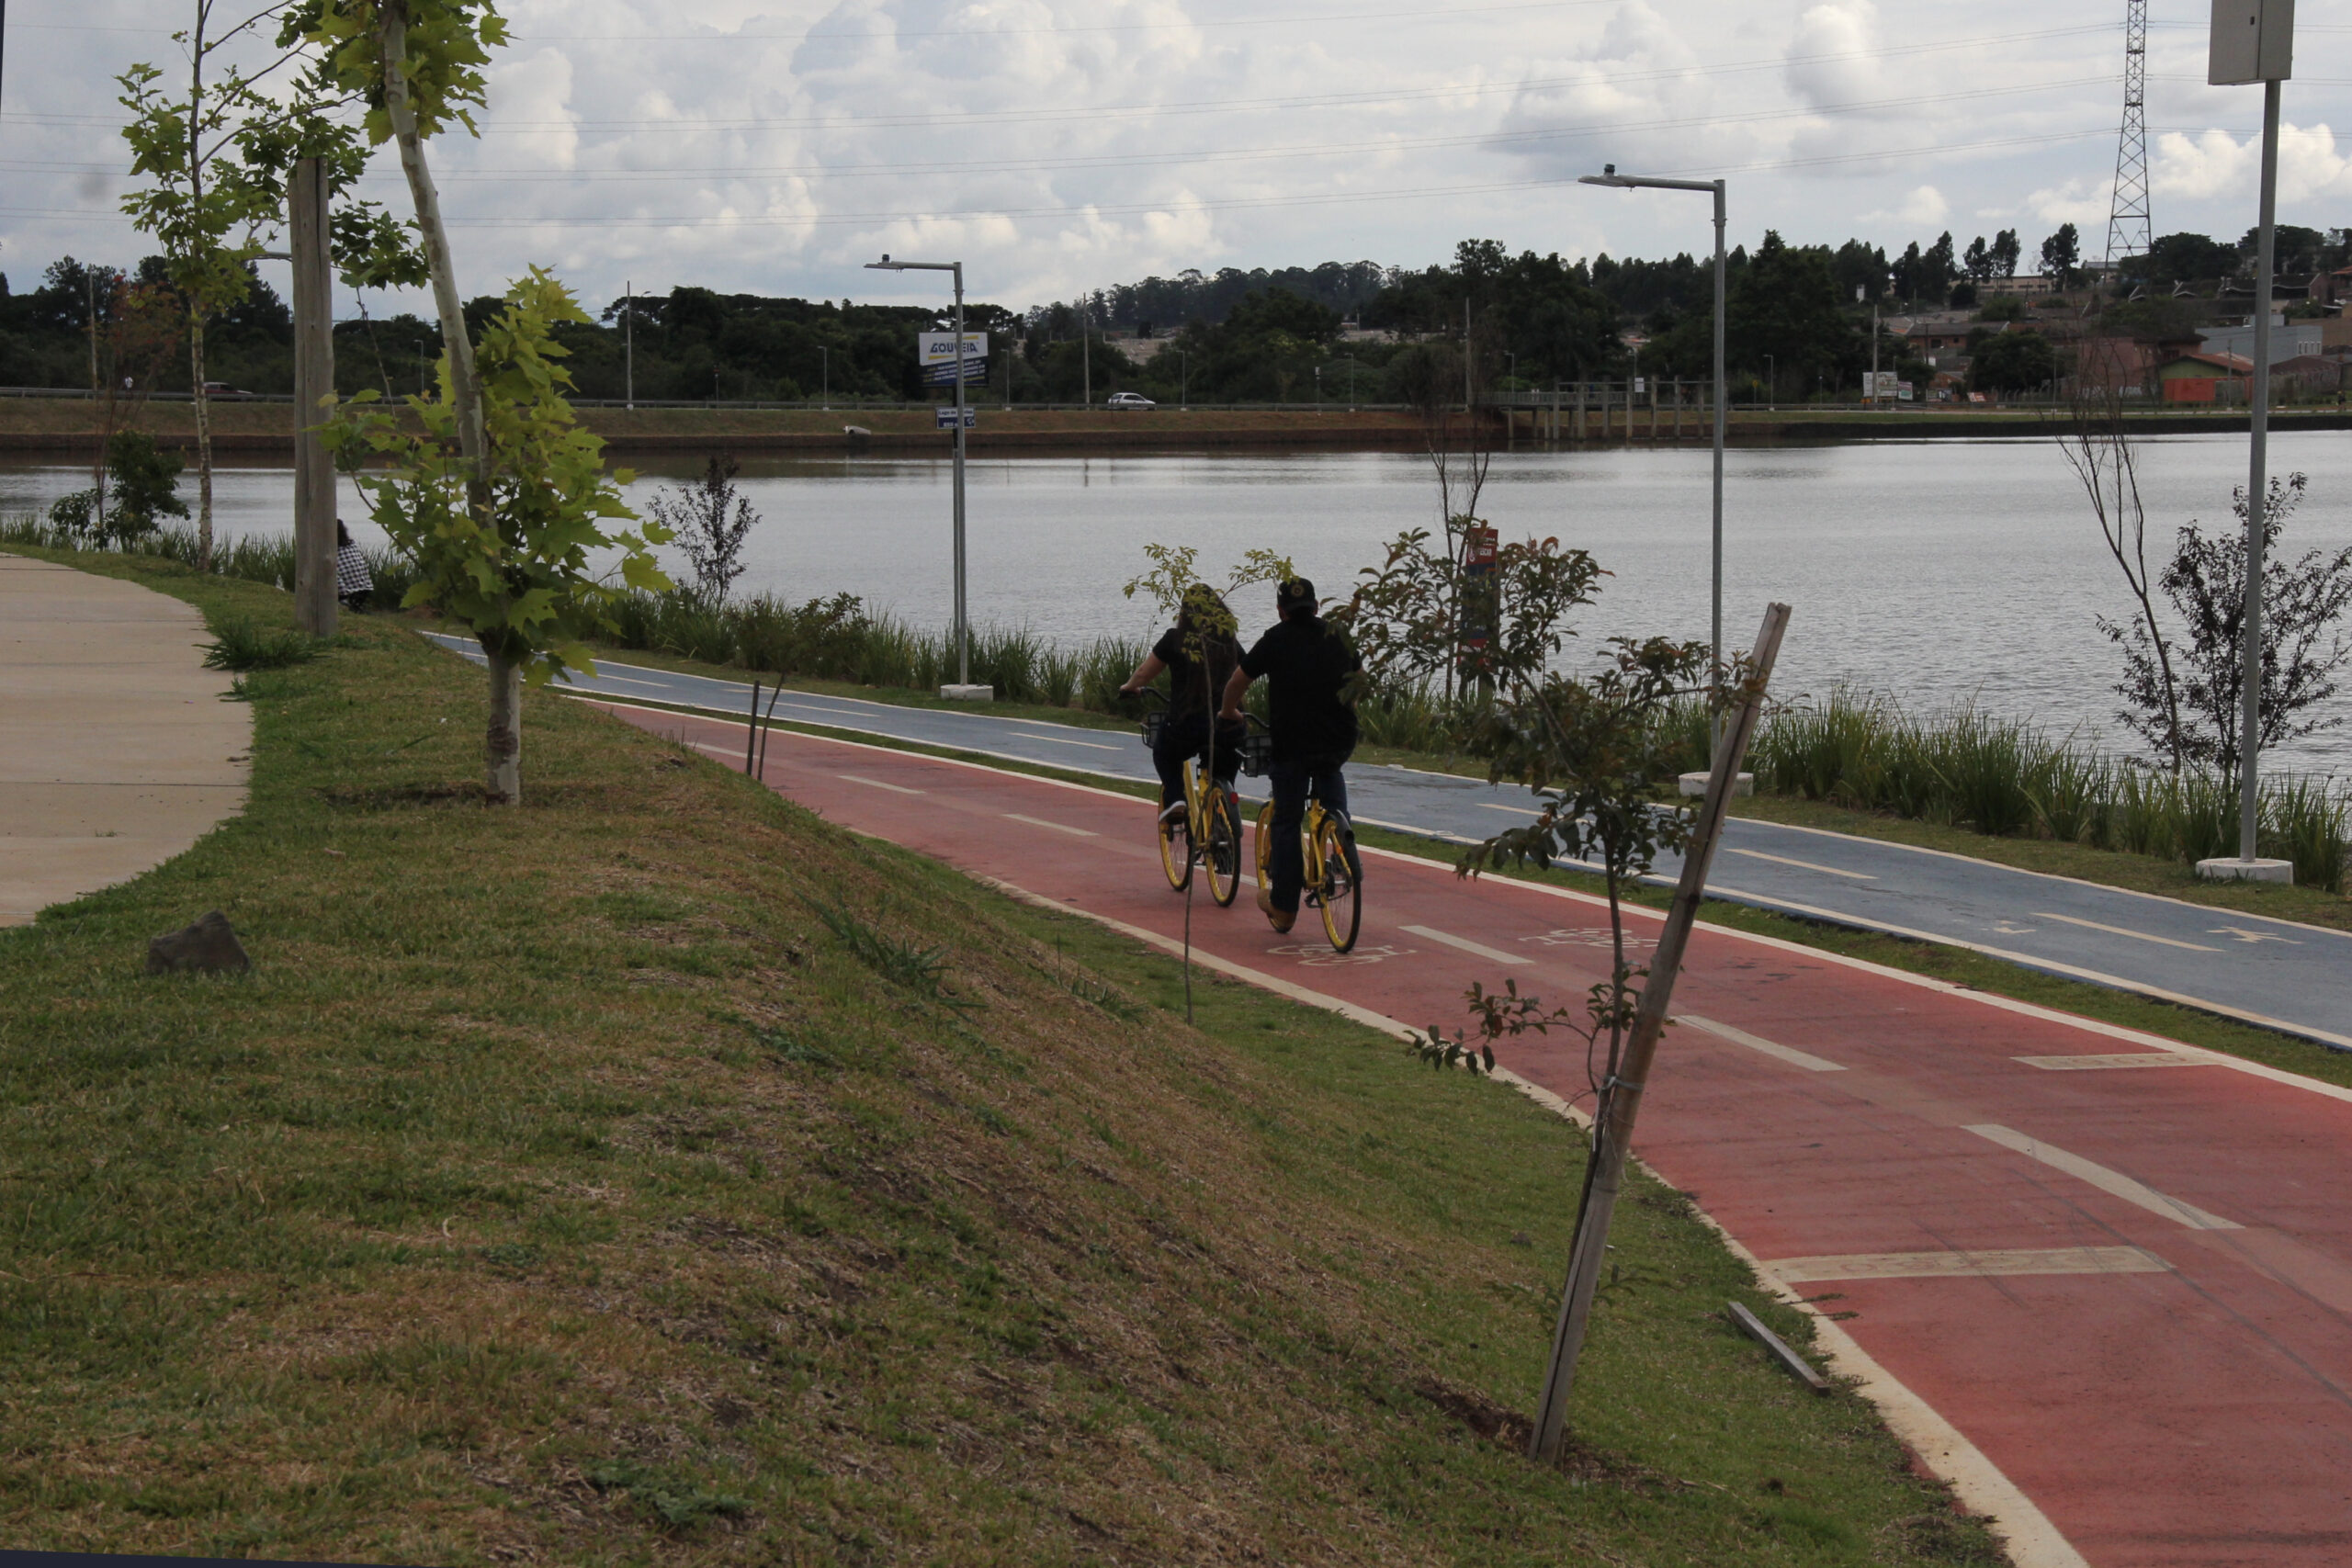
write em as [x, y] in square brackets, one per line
[1607, 177]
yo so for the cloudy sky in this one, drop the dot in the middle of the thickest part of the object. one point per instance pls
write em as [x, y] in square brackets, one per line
[1056, 146]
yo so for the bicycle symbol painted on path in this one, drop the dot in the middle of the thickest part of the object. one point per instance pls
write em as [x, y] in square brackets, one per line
[1314, 955]
[1588, 936]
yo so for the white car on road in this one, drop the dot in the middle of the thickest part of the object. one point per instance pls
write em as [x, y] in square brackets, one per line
[1129, 401]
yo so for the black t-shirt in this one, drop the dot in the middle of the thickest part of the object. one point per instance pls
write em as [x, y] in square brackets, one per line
[1188, 696]
[1304, 661]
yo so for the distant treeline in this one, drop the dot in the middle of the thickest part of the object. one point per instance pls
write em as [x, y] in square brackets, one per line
[1803, 311]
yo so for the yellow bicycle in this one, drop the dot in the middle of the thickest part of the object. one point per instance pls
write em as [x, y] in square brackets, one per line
[1209, 832]
[1327, 845]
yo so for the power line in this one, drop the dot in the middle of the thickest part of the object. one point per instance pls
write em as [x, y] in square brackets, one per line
[1368, 100]
[1356, 146]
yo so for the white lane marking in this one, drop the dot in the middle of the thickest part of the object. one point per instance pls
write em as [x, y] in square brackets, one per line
[2124, 930]
[1492, 954]
[2118, 1059]
[1057, 827]
[624, 681]
[1799, 864]
[1057, 741]
[877, 784]
[2114, 1182]
[1514, 810]
[1979, 1265]
[1788, 1054]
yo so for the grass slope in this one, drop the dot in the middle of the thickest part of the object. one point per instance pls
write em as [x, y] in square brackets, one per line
[658, 1174]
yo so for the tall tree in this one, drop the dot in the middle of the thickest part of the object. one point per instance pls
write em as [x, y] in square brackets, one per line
[2007, 251]
[2062, 256]
[1977, 259]
[202, 203]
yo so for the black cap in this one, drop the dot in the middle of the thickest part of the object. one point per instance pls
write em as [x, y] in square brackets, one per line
[1296, 593]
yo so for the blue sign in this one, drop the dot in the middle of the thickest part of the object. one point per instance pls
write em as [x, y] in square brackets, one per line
[947, 418]
[976, 374]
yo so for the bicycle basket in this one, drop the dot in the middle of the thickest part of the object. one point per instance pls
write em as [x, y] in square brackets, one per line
[1257, 751]
[1153, 723]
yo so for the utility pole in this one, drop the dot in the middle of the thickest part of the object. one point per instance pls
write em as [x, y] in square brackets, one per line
[1085, 358]
[2253, 40]
[1465, 351]
[628, 343]
[825, 376]
[313, 302]
[963, 690]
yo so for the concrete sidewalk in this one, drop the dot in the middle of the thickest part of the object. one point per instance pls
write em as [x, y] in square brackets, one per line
[117, 751]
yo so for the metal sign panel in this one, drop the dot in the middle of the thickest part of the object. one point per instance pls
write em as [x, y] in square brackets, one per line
[946, 417]
[2253, 40]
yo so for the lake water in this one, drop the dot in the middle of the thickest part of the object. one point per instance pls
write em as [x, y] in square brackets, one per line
[1943, 571]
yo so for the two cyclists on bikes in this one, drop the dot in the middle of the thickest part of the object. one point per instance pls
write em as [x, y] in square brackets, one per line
[1306, 664]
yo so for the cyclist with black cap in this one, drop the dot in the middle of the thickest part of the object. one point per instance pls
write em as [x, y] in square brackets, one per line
[1306, 662]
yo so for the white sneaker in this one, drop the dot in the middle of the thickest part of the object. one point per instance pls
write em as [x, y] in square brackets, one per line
[1171, 814]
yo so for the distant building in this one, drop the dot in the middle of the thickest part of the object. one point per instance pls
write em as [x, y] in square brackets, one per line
[2203, 378]
[2289, 340]
[2024, 283]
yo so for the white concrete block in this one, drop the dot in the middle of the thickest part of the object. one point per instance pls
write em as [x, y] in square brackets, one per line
[1695, 784]
[2232, 869]
[955, 693]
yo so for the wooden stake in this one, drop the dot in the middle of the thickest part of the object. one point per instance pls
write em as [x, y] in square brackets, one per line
[752, 736]
[1621, 1097]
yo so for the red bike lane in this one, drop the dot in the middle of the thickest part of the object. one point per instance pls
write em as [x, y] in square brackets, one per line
[2119, 1269]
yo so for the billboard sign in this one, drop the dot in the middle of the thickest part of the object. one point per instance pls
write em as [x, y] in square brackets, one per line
[939, 349]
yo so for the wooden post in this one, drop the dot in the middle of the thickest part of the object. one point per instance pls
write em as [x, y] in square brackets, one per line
[752, 736]
[1579, 413]
[314, 500]
[1653, 411]
[1621, 1097]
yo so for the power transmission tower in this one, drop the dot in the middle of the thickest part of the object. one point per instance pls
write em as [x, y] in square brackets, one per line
[2128, 230]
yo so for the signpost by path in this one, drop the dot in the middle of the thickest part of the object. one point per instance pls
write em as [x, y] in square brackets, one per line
[2254, 41]
[956, 353]
[1621, 1097]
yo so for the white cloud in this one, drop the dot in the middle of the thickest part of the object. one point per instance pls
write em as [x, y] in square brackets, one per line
[1922, 209]
[2217, 164]
[1057, 145]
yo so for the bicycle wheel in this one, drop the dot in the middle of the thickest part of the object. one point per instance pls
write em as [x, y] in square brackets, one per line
[1223, 852]
[1339, 892]
[1176, 852]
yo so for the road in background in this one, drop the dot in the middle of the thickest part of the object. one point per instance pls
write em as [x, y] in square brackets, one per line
[2277, 973]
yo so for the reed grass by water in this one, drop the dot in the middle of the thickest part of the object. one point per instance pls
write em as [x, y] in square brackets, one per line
[249, 557]
[2011, 778]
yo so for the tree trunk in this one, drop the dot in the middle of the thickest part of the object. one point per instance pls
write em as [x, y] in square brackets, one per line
[503, 744]
[315, 555]
[203, 445]
[464, 390]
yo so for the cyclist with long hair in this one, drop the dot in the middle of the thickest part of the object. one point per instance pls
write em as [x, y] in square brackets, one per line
[1199, 655]
[1306, 662]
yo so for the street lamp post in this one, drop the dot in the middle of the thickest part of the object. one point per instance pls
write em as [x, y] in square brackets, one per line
[1184, 387]
[963, 687]
[1771, 384]
[2253, 40]
[629, 344]
[1609, 176]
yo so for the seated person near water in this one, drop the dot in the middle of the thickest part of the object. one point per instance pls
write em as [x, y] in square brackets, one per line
[1306, 663]
[1199, 655]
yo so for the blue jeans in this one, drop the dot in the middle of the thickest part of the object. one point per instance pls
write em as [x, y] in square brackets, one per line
[1285, 867]
[1190, 739]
